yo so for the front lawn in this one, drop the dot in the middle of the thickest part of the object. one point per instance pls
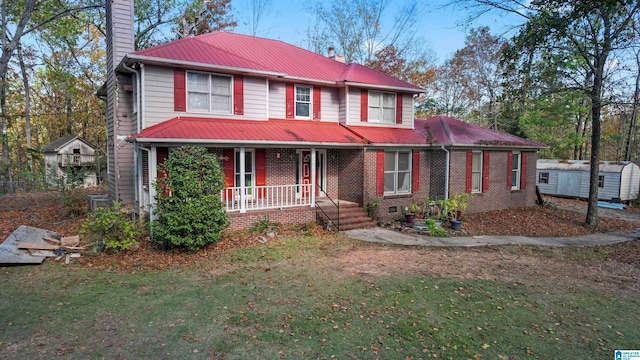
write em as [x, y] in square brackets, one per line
[320, 297]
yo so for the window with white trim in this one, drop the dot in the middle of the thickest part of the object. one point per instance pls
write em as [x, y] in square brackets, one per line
[397, 172]
[303, 102]
[601, 181]
[476, 172]
[209, 93]
[382, 107]
[515, 170]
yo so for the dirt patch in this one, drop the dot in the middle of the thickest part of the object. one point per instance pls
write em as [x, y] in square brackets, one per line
[508, 264]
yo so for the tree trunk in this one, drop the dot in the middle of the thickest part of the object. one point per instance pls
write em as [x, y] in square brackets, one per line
[68, 110]
[594, 166]
[27, 98]
[634, 111]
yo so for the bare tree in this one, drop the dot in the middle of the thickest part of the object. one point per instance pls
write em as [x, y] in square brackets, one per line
[259, 9]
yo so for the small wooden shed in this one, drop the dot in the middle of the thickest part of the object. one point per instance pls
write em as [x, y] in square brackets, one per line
[617, 180]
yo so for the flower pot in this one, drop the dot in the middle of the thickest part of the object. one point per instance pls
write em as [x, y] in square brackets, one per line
[409, 218]
[455, 224]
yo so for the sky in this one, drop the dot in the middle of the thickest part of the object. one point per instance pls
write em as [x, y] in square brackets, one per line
[438, 25]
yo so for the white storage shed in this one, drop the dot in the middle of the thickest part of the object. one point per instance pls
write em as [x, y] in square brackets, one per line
[617, 180]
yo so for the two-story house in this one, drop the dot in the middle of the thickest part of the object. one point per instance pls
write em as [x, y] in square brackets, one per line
[290, 126]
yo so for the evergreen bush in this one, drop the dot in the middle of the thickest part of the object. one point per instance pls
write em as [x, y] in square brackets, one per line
[190, 212]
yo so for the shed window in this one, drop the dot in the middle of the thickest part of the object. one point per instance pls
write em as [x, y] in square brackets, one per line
[601, 181]
[543, 178]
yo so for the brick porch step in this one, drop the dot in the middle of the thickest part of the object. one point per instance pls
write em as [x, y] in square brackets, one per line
[351, 215]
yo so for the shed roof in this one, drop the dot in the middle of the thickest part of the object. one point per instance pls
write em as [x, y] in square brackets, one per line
[249, 54]
[56, 145]
[582, 165]
[444, 130]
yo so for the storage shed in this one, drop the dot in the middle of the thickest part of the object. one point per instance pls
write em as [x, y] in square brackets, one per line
[70, 156]
[617, 180]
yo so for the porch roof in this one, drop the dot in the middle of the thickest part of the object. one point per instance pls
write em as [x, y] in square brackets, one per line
[184, 129]
[376, 135]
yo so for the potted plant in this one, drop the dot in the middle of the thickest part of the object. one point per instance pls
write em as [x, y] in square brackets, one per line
[411, 212]
[453, 207]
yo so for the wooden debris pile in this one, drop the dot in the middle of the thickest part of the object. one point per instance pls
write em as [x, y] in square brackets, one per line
[30, 245]
[66, 247]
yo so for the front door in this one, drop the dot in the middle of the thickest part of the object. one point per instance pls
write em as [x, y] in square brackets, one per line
[304, 172]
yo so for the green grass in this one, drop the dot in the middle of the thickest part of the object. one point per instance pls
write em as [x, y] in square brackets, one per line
[291, 300]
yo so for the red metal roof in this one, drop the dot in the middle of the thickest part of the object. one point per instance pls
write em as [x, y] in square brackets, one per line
[202, 130]
[388, 136]
[444, 130]
[255, 54]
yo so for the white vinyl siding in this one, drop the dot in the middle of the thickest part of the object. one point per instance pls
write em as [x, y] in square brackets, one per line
[159, 105]
[277, 100]
[329, 104]
[354, 106]
[397, 172]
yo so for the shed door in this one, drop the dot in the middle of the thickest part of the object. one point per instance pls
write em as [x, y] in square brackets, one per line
[569, 183]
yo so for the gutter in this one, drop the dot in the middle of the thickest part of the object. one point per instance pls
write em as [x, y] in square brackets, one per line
[137, 85]
[446, 173]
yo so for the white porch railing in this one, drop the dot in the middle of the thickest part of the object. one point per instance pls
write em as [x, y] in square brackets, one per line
[266, 197]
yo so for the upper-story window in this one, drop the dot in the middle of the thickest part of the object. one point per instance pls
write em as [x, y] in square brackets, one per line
[208, 93]
[303, 102]
[382, 107]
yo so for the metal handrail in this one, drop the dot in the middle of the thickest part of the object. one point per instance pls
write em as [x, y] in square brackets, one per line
[337, 205]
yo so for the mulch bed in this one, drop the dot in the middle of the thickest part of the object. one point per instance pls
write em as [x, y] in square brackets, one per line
[45, 211]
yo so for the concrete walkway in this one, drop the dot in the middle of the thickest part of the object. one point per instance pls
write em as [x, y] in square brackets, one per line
[386, 236]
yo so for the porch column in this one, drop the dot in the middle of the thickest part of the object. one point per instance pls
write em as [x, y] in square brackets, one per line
[243, 196]
[313, 177]
[153, 174]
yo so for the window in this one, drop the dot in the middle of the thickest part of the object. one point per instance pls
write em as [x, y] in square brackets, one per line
[515, 170]
[397, 172]
[249, 178]
[382, 107]
[543, 178]
[601, 181]
[208, 93]
[303, 102]
[476, 172]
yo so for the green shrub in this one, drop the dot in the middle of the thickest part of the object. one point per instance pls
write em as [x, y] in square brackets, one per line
[189, 210]
[436, 230]
[112, 229]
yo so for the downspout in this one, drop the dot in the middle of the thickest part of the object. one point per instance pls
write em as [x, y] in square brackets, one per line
[137, 85]
[446, 173]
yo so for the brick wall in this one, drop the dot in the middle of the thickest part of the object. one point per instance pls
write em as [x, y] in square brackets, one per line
[498, 196]
[397, 201]
[297, 215]
[350, 164]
